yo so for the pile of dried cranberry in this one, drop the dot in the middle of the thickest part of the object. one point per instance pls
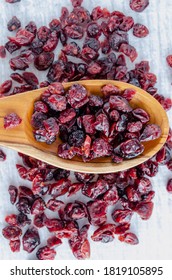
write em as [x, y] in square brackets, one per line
[103, 54]
[92, 126]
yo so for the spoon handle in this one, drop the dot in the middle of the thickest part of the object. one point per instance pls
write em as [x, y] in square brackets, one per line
[16, 135]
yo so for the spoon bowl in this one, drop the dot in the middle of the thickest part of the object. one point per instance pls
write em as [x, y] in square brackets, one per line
[21, 138]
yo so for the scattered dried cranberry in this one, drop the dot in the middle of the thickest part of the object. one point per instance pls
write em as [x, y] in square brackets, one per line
[129, 238]
[2, 156]
[140, 30]
[30, 239]
[13, 24]
[12, 1]
[11, 232]
[46, 253]
[15, 245]
[169, 186]
[5, 87]
[11, 120]
[169, 60]
[138, 5]
[105, 233]
[2, 52]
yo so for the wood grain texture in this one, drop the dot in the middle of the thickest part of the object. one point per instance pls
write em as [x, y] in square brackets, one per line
[21, 138]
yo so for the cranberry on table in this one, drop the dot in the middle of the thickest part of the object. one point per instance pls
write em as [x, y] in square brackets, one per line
[140, 30]
[169, 186]
[13, 24]
[169, 60]
[2, 52]
[5, 87]
[129, 238]
[139, 5]
[30, 239]
[46, 253]
[2, 156]
[12, 1]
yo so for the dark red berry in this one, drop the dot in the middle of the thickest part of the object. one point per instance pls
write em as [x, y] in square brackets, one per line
[138, 5]
[11, 120]
[140, 30]
[13, 24]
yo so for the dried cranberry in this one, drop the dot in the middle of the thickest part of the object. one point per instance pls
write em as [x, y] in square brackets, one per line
[126, 24]
[39, 220]
[60, 187]
[52, 42]
[13, 192]
[12, 1]
[74, 188]
[84, 177]
[105, 233]
[2, 156]
[129, 238]
[122, 215]
[141, 114]
[144, 209]
[11, 47]
[23, 205]
[169, 164]
[54, 205]
[11, 232]
[23, 37]
[117, 38]
[169, 60]
[43, 33]
[97, 212]
[111, 196]
[138, 5]
[5, 86]
[11, 120]
[130, 148]
[169, 186]
[30, 78]
[30, 239]
[13, 24]
[53, 241]
[15, 245]
[101, 148]
[31, 27]
[23, 220]
[94, 189]
[98, 12]
[46, 253]
[75, 211]
[77, 96]
[38, 206]
[140, 30]
[129, 51]
[80, 245]
[11, 219]
[60, 173]
[2, 52]
[76, 3]
[44, 60]
[22, 61]
[150, 132]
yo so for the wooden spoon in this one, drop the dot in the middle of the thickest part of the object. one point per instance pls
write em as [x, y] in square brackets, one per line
[21, 138]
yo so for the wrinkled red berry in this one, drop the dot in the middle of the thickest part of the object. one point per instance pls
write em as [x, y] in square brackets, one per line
[169, 186]
[140, 30]
[30, 239]
[129, 238]
[138, 5]
[11, 120]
